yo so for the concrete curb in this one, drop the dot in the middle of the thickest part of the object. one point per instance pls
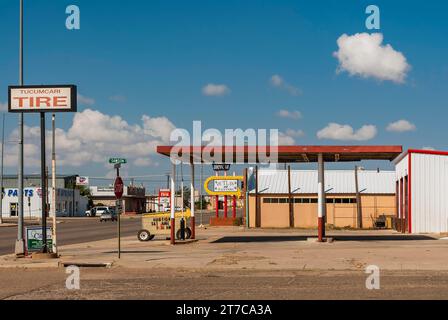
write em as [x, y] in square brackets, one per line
[86, 264]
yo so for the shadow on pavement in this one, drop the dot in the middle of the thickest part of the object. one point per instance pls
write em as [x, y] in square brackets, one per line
[336, 238]
[134, 251]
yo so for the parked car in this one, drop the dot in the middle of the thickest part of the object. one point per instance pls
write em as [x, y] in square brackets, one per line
[91, 212]
[96, 211]
[108, 215]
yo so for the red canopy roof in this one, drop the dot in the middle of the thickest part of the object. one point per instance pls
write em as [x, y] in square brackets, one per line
[285, 154]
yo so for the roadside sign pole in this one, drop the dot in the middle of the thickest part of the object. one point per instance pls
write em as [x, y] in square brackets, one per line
[53, 181]
[119, 220]
[43, 183]
[20, 242]
[1, 170]
[118, 190]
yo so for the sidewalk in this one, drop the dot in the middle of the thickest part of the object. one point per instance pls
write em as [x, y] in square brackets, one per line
[234, 248]
[5, 225]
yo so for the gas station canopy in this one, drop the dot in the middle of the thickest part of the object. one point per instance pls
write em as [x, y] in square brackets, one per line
[285, 154]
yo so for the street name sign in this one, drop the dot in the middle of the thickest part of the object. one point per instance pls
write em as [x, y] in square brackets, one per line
[117, 161]
[45, 98]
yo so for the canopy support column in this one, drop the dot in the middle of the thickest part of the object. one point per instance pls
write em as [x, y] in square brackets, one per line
[321, 201]
[192, 192]
[173, 204]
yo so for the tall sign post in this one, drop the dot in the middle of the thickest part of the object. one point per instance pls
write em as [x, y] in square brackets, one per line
[118, 190]
[20, 242]
[42, 99]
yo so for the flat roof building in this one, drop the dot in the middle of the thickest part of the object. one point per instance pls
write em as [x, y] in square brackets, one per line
[421, 184]
[276, 191]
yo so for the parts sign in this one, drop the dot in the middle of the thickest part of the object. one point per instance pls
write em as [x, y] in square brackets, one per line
[52, 98]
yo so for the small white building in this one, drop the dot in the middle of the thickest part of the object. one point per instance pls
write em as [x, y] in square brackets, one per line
[68, 202]
[421, 182]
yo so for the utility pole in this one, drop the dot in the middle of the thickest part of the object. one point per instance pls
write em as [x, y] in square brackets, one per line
[1, 170]
[20, 242]
[200, 194]
[43, 183]
[358, 201]
[53, 182]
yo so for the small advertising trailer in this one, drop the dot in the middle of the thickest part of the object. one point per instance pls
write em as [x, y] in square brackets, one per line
[158, 223]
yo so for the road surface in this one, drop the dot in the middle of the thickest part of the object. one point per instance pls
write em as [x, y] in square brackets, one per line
[79, 230]
[75, 230]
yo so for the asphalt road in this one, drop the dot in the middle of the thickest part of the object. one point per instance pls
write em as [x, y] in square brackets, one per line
[131, 283]
[79, 230]
[76, 230]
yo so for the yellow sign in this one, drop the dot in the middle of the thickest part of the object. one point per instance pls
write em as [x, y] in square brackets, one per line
[224, 186]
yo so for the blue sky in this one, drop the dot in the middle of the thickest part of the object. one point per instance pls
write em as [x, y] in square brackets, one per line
[156, 56]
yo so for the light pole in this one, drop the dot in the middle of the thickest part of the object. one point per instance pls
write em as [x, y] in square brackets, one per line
[1, 170]
[53, 182]
[20, 243]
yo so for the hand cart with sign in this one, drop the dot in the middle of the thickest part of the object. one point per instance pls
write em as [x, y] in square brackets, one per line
[159, 223]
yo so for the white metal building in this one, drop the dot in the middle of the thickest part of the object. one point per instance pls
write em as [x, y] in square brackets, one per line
[336, 182]
[289, 198]
[65, 198]
[422, 191]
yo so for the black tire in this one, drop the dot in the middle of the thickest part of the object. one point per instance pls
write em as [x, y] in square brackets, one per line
[187, 233]
[144, 235]
[152, 236]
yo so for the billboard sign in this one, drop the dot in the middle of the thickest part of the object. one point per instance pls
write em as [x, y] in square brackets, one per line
[82, 181]
[225, 185]
[46, 98]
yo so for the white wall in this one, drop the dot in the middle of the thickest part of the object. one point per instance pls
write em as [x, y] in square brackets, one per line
[35, 210]
[429, 193]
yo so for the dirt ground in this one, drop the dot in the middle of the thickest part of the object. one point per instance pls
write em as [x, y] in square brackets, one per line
[122, 283]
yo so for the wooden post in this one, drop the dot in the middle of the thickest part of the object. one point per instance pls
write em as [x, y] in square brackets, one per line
[245, 196]
[291, 204]
[358, 201]
[257, 205]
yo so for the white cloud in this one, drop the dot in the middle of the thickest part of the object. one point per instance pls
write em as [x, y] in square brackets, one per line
[94, 137]
[85, 100]
[289, 114]
[295, 133]
[335, 131]
[278, 82]
[401, 126]
[4, 106]
[429, 148]
[215, 90]
[364, 55]
[288, 138]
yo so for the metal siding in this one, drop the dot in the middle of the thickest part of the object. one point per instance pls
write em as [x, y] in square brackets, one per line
[401, 171]
[336, 182]
[429, 199]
